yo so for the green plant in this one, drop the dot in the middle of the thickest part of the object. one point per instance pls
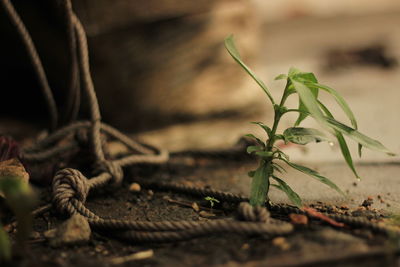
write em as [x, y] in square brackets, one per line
[306, 86]
[212, 201]
[20, 199]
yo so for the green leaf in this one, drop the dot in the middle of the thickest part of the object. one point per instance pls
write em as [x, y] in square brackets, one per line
[293, 71]
[293, 196]
[278, 167]
[251, 149]
[230, 46]
[262, 125]
[264, 154]
[260, 184]
[358, 137]
[281, 77]
[251, 173]
[261, 143]
[315, 175]
[281, 154]
[302, 136]
[5, 245]
[342, 143]
[308, 103]
[340, 100]
[304, 77]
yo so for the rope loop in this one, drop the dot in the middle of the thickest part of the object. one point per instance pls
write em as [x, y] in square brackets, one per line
[111, 167]
[81, 137]
[68, 184]
[253, 214]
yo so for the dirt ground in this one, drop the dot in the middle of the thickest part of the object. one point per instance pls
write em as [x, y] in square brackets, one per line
[314, 244]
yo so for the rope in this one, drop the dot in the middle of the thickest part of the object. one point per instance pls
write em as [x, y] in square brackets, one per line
[73, 98]
[35, 60]
[70, 187]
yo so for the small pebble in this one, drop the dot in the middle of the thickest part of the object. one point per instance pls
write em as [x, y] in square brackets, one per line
[34, 235]
[206, 214]
[195, 207]
[245, 246]
[298, 219]
[150, 194]
[135, 187]
[281, 243]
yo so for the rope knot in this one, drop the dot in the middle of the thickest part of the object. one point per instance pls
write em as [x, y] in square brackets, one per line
[67, 184]
[114, 169]
[253, 214]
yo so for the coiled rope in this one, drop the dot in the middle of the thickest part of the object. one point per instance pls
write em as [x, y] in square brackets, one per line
[70, 187]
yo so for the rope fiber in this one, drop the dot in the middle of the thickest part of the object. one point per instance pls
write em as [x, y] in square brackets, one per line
[70, 187]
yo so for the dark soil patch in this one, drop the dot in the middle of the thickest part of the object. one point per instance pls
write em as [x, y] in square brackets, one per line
[314, 244]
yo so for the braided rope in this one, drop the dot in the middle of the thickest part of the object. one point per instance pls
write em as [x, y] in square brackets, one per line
[70, 187]
[35, 60]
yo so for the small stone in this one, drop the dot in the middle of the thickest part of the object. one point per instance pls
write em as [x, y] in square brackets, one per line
[368, 202]
[150, 194]
[135, 187]
[281, 243]
[34, 235]
[206, 214]
[245, 246]
[195, 207]
[75, 230]
[49, 234]
[298, 219]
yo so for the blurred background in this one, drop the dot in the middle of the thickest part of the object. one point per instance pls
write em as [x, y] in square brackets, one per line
[162, 73]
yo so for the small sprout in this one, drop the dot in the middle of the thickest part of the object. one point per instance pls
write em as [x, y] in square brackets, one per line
[211, 200]
[307, 87]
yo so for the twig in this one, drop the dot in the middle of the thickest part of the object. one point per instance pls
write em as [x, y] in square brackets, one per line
[132, 257]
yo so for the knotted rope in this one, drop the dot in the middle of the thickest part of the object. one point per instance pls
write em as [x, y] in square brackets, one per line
[70, 187]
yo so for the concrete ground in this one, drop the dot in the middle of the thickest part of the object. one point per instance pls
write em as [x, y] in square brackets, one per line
[372, 92]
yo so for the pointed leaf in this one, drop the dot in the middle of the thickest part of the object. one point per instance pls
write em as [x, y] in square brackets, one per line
[342, 143]
[262, 125]
[230, 46]
[278, 167]
[315, 175]
[293, 71]
[304, 77]
[309, 103]
[281, 77]
[251, 149]
[293, 196]
[260, 184]
[261, 143]
[302, 136]
[358, 137]
[340, 100]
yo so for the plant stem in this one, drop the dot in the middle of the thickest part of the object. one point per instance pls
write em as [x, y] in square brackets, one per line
[260, 183]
